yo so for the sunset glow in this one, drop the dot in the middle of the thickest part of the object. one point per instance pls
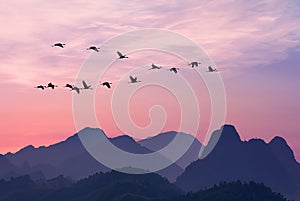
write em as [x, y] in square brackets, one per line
[255, 44]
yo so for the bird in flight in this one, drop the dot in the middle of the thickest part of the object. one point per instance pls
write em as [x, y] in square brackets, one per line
[133, 79]
[107, 84]
[72, 87]
[194, 64]
[175, 70]
[96, 49]
[211, 69]
[121, 56]
[153, 66]
[50, 85]
[69, 86]
[41, 87]
[61, 45]
[76, 89]
[86, 86]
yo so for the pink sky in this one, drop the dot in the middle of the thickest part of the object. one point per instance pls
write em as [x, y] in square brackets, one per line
[256, 44]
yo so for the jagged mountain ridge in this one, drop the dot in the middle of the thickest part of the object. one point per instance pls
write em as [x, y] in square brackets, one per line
[70, 158]
[232, 159]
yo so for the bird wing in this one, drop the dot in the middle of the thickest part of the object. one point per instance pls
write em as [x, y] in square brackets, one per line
[59, 45]
[70, 86]
[120, 54]
[132, 79]
[77, 89]
[84, 84]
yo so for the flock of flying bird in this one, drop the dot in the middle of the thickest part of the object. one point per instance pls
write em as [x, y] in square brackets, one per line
[132, 79]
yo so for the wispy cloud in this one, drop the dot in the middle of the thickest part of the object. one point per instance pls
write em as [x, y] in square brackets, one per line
[234, 33]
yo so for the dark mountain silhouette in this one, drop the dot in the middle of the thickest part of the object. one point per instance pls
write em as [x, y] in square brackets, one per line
[160, 141]
[6, 168]
[128, 144]
[103, 186]
[66, 158]
[70, 158]
[232, 159]
[115, 186]
[273, 164]
[234, 191]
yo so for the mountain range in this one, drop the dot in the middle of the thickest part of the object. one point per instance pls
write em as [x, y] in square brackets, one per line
[116, 186]
[232, 159]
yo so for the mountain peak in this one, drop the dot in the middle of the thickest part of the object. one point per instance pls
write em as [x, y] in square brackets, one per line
[229, 132]
[281, 149]
[161, 140]
[223, 138]
[128, 144]
[232, 159]
[279, 141]
[27, 148]
[90, 130]
[123, 137]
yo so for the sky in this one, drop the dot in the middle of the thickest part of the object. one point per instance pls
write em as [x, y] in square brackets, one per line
[254, 44]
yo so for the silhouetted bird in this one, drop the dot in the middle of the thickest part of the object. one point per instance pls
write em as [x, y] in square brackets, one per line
[210, 69]
[76, 89]
[51, 85]
[41, 87]
[85, 86]
[96, 49]
[133, 79]
[153, 66]
[59, 45]
[107, 84]
[175, 70]
[194, 64]
[121, 56]
[69, 86]
[72, 87]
